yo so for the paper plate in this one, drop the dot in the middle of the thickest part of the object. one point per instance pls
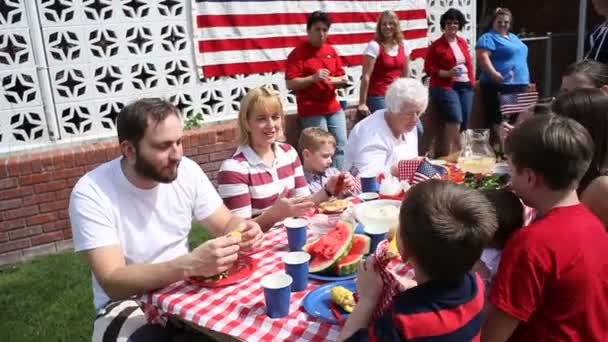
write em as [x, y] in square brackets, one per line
[243, 268]
[316, 302]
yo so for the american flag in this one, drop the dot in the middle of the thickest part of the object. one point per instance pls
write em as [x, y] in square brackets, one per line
[244, 37]
[424, 172]
[517, 102]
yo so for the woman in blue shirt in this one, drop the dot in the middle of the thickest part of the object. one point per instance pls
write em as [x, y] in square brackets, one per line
[503, 58]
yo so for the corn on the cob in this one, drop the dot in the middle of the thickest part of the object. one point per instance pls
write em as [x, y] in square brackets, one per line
[343, 297]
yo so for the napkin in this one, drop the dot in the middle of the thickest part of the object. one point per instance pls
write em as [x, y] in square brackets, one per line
[390, 285]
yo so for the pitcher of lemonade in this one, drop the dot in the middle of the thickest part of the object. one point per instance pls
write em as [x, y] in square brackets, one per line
[477, 155]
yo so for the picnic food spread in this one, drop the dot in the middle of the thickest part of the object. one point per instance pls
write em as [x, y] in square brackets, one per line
[484, 182]
[333, 206]
[343, 297]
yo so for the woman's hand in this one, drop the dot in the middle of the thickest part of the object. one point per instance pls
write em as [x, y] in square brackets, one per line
[289, 207]
[363, 110]
[497, 77]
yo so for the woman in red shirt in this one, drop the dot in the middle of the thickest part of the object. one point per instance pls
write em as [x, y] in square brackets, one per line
[384, 60]
[448, 63]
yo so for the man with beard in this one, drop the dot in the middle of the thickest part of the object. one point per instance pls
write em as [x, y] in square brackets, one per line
[131, 217]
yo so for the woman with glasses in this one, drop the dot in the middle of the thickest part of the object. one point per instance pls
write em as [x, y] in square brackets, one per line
[503, 58]
[388, 135]
[449, 65]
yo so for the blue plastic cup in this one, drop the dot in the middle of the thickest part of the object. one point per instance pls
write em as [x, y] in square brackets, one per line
[296, 233]
[296, 265]
[376, 235]
[369, 184]
[277, 294]
[344, 104]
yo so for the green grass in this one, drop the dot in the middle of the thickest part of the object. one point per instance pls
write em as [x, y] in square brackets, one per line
[50, 298]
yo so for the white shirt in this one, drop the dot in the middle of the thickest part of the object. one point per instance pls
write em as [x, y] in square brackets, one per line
[372, 147]
[373, 49]
[150, 225]
[461, 62]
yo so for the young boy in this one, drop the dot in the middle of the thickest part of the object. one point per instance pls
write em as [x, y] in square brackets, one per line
[552, 281]
[317, 148]
[442, 230]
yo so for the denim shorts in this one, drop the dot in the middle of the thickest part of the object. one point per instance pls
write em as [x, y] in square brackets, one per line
[454, 104]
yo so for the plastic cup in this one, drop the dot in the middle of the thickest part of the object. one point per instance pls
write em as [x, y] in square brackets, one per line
[296, 266]
[296, 233]
[277, 294]
[369, 184]
[376, 235]
[344, 104]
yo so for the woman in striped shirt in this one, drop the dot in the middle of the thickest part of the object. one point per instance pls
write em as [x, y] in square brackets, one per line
[264, 178]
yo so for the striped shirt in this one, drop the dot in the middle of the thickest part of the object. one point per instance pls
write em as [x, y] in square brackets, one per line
[598, 44]
[433, 311]
[248, 186]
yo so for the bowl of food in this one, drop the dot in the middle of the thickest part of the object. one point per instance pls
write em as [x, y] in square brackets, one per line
[378, 216]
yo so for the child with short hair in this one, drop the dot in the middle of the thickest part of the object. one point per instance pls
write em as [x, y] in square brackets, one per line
[317, 148]
[443, 227]
[551, 283]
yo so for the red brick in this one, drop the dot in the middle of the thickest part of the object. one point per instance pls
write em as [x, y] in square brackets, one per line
[3, 237]
[21, 212]
[54, 206]
[68, 173]
[212, 166]
[67, 234]
[222, 155]
[50, 186]
[190, 151]
[12, 166]
[36, 178]
[224, 146]
[25, 167]
[24, 232]
[18, 192]
[11, 204]
[201, 159]
[46, 238]
[3, 171]
[56, 225]
[36, 163]
[205, 149]
[37, 199]
[8, 183]
[63, 194]
[7, 225]
[14, 245]
[57, 157]
[195, 140]
[64, 214]
[69, 183]
[68, 158]
[42, 218]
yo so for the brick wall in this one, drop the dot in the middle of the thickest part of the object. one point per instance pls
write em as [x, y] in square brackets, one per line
[35, 187]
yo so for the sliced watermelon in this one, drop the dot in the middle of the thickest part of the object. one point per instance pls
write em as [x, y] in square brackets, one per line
[350, 263]
[329, 248]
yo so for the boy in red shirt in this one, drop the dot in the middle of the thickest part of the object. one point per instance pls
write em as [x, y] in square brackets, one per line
[314, 71]
[552, 282]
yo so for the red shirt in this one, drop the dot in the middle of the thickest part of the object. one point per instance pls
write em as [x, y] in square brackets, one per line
[553, 277]
[319, 98]
[386, 69]
[440, 56]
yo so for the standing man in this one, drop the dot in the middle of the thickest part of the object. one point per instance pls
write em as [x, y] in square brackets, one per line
[314, 71]
[131, 218]
[598, 39]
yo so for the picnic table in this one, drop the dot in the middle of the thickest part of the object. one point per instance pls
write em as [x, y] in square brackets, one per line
[239, 310]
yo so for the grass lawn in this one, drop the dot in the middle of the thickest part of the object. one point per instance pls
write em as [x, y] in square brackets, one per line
[50, 298]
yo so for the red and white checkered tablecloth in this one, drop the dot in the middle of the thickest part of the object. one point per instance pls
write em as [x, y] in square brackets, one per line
[239, 310]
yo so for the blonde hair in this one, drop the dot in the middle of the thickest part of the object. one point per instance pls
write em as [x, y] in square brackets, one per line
[397, 34]
[502, 11]
[313, 138]
[258, 99]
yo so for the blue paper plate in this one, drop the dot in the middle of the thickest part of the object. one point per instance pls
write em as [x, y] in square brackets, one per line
[359, 229]
[316, 302]
[323, 277]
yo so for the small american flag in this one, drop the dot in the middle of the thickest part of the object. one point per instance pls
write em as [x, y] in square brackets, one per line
[425, 171]
[245, 37]
[517, 102]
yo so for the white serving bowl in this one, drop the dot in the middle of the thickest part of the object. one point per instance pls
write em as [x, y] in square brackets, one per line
[376, 225]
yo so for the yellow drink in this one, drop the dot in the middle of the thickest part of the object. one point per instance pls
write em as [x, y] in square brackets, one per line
[477, 164]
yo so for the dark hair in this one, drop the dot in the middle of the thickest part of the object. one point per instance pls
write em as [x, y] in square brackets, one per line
[509, 213]
[445, 227]
[452, 14]
[558, 148]
[589, 107]
[133, 119]
[595, 71]
[317, 17]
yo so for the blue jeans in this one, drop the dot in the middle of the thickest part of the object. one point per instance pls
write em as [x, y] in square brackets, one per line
[334, 123]
[454, 104]
[375, 103]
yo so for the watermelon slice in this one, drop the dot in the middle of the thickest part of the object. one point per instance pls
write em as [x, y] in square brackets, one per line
[350, 263]
[330, 248]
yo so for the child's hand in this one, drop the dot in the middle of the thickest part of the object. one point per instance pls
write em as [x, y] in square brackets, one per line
[338, 186]
[369, 283]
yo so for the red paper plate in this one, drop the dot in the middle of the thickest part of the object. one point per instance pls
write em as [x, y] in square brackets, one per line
[243, 268]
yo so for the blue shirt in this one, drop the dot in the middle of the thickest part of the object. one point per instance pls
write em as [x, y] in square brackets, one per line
[509, 57]
[434, 311]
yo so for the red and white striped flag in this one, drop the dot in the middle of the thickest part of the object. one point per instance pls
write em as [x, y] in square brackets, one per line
[517, 102]
[245, 37]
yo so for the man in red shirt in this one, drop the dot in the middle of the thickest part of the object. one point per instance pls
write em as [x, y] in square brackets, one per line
[552, 282]
[314, 71]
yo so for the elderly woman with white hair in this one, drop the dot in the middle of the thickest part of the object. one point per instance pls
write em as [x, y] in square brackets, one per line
[388, 135]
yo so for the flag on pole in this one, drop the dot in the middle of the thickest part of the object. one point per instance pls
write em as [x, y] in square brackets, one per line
[517, 102]
[245, 37]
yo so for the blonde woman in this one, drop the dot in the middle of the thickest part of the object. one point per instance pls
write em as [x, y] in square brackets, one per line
[385, 59]
[264, 179]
